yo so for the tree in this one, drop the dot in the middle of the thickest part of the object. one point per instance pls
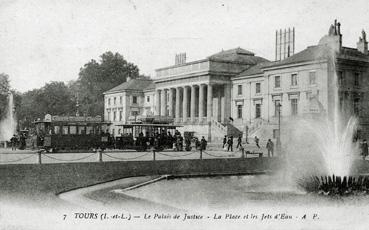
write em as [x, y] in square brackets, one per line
[54, 98]
[97, 77]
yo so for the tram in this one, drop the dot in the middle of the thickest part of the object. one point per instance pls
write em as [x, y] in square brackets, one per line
[67, 133]
[142, 133]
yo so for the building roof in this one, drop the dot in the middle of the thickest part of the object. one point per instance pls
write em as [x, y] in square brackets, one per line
[237, 55]
[133, 84]
[319, 52]
[347, 52]
[256, 69]
[311, 53]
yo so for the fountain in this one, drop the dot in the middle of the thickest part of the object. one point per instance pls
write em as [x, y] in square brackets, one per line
[8, 124]
[327, 141]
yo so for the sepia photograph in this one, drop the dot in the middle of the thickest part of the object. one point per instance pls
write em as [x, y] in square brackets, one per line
[184, 114]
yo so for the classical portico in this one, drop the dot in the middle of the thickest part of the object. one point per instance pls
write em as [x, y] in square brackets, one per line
[197, 94]
[193, 103]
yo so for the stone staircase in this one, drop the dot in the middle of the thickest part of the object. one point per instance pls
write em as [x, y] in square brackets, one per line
[219, 130]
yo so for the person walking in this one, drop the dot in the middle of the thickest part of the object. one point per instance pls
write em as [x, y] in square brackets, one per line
[364, 149]
[230, 143]
[224, 141]
[239, 142]
[270, 148]
[203, 143]
[257, 142]
[13, 140]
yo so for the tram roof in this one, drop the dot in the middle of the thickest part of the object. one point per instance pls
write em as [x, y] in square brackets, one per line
[151, 125]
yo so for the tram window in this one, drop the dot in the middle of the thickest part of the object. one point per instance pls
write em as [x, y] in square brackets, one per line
[72, 129]
[81, 130]
[90, 130]
[57, 129]
[65, 129]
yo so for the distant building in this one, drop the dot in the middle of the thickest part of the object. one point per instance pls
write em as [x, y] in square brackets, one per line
[128, 101]
[234, 91]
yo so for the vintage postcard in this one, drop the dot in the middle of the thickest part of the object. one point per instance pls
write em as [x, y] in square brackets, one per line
[138, 114]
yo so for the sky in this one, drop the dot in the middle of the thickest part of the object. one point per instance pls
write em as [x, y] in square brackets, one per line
[43, 41]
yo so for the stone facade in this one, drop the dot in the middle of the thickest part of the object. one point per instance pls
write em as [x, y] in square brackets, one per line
[235, 90]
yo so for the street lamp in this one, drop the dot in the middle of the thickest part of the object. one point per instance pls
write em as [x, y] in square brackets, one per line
[279, 128]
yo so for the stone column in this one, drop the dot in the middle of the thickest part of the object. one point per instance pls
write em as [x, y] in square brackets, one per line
[193, 102]
[201, 102]
[178, 95]
[157, 102]
[163, 103]
[185, 103]
[226, 103]
[209, 103]
[171, 94]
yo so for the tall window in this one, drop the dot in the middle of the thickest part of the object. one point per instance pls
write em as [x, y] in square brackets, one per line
[148, 98]
[293, 79]
[312, 78]
[257, 87]
[276, 107]
[341, 78]
[114, 116]
[120, 100]
[134, 100]
[109, 118]
[277, 81]
[120, 116]
[294, 108]
[115, 100]
[357, 79]
[109, 101]
[356, 106]
[239, 89]
[257, 110]
[239, 111]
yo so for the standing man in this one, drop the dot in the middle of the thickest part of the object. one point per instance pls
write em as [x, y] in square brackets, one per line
[203, 143]
[270, 147]
[239, 142]
[364, 149]
[257, 142]
[13, 140]
[230, 143]
[224, 141]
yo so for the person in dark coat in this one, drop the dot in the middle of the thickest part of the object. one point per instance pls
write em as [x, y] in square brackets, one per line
[203, 143]
[239, 142]
[257, 142]
[224, 141]
[230, 143]
[364, 149]
[270, 148]
[13, 140]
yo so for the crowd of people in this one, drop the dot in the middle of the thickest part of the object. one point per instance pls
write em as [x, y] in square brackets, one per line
[167, 140]
[18, 141]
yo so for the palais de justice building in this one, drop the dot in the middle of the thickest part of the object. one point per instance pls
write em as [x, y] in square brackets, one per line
[235, 91]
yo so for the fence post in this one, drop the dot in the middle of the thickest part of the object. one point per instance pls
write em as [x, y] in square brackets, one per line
[39, 157]
[153, 155]
[100, 155]
[200, 153]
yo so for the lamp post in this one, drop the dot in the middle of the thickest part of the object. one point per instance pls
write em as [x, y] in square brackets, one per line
[279, 128]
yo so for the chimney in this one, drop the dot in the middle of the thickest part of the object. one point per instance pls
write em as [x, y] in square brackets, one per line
[362, 44]
[180, 59]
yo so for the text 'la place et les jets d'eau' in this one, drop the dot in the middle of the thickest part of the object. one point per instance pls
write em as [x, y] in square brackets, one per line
[189, 217]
